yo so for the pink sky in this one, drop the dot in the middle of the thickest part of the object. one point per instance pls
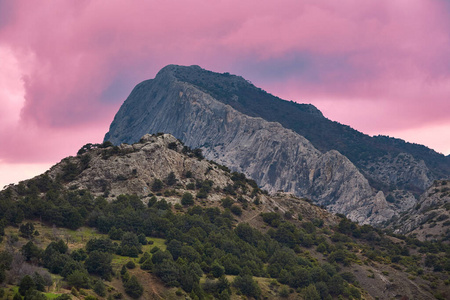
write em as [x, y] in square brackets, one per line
[379, 66]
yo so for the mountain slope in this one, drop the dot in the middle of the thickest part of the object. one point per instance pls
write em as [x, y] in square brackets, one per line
[368, 153]
[430, 218]
[275, 157]
[292, 248]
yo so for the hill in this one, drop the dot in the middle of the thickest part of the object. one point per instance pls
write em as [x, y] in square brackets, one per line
[280, 144]
[216, 235]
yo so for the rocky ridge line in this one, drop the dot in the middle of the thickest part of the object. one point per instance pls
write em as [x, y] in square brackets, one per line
[276, 157]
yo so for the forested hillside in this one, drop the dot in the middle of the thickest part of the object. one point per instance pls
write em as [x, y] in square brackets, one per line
[201, 233]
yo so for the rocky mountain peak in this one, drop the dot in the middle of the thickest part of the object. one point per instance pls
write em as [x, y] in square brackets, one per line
[276, 157]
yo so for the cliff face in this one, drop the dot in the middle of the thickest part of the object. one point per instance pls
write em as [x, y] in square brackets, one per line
[430, 218]
[389, 164]
[276, 157]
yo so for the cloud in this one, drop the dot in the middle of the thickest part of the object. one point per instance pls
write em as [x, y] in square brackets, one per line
[68, 65]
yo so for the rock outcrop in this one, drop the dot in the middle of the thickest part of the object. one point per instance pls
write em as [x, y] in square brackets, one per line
[110, 171]
[430, 218]
[275, 157]
[131, 169]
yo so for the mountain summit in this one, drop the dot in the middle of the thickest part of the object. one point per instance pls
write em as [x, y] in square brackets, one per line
[281, 144]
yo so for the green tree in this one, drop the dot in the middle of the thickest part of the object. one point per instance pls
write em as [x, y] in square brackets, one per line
[187, 199]
[151, 201]
[79, 254]
[99, 288]
[133, 288]
[100, 244]
[130, 245]
[147, 265]
[171, 179]
[26, 284]
[144, 257]
[311, 293]
[27, 230]
[40, 281]
[227, 202]
[157, 185]
[336, 285]
[17, 296]
[217, 270]
[78, 279]
[236, 210]
[31, 251]
[247, 286]
[99, 263]
[142, 239]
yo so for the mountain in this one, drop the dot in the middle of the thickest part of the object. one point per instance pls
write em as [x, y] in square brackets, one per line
[251, 131]
[156, 219]
[415, 166]
[430, 218]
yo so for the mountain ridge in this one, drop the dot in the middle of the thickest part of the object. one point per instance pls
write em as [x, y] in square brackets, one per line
[199, 217]
[276, 157]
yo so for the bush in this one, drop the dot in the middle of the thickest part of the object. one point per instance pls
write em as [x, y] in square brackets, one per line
[17, 296]
[26, 284]
[247, 286]
[133, 288]
[27, 230]
[79, 279]
[284, 292]
[147, 265]
[130, 264]
[99, 263]
[151, 201]
[157, 185]
[187, 199]
[236, 210]
[142, 239]
[171, 179]
[311, 293]
[227, 202]
[202, 194]
[217, 270]
[99, 288]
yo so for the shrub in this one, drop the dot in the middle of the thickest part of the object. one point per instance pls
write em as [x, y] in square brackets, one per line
[157, 185]
[99, 288]
[26, 230]
[284, 292]
[171, 179]
[236, 210]
[147, 264]
[217, 270]
[187, 199]
[130, 264]
[227, 202]
[78, 279]
[26, 284]
[247, 286]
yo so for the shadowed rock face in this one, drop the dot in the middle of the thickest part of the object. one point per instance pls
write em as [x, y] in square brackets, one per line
[276, 157]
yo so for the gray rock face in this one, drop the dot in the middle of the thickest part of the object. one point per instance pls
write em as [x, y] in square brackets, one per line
[275, 157]
[429, 219]
[401, 170]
